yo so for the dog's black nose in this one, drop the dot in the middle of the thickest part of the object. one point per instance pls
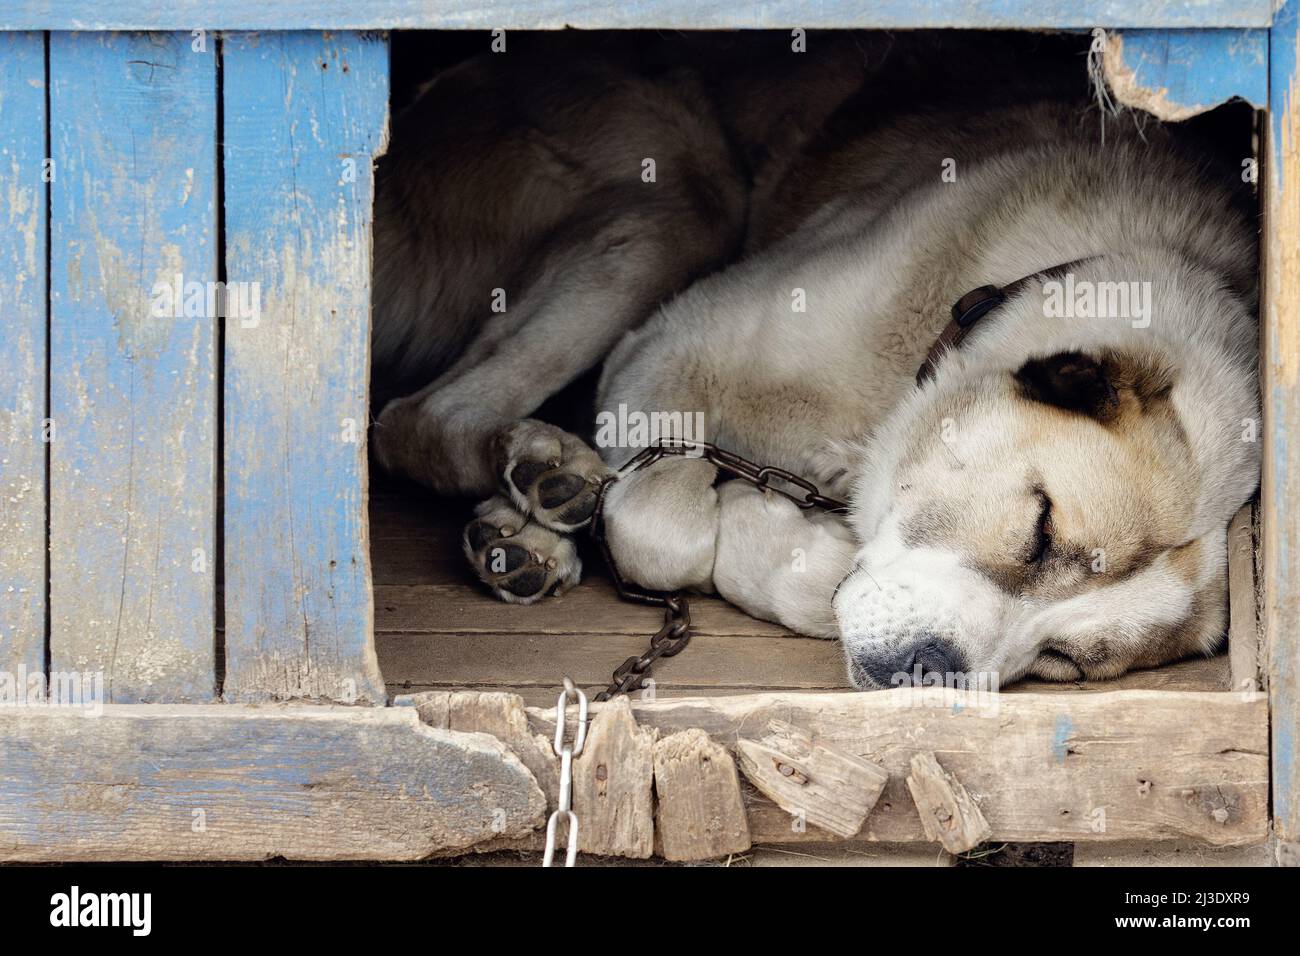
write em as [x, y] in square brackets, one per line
[928, 655]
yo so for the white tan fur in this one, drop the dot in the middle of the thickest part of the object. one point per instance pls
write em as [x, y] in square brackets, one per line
[948, 482]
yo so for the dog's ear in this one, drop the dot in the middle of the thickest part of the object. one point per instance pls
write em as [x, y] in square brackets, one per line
[1071, 381]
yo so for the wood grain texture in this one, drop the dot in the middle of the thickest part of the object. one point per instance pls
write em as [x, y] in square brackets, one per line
[1133, 854]
[700, 813]
[1280, 490]
[592, 607]
[132, 389]
[612, 781]
[238, 782]
[1246, 652]
[824, 786]
[22, 345]
[305, 115]
[678, 14]
[499, 714]
[948, 814]
[539, 660]
[1126, 764]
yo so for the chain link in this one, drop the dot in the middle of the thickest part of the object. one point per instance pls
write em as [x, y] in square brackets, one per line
[675, 633]
[567, 752]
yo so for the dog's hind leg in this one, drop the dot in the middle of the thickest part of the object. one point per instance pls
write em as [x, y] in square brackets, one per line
[778, 562]
[669, 528]
[464, 433]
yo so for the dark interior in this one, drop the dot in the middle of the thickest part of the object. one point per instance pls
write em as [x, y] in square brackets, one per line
[437, 628]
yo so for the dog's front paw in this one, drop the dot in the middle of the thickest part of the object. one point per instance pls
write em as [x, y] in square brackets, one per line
[518, 559]
[549, 474]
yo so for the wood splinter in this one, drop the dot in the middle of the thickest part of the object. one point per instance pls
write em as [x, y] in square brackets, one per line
[830, 788]
[948, 814]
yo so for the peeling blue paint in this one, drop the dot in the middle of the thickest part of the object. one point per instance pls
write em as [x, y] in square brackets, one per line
[133, 392]
[305, 113]
[681, 14]
[1061, 737]
[22, 351]
[1195, 70]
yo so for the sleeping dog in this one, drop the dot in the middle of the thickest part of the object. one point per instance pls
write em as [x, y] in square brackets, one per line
[1021, 345]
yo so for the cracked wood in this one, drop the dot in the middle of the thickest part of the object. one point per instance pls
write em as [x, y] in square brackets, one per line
[1143, 765]
[132, 379]
[305, 115]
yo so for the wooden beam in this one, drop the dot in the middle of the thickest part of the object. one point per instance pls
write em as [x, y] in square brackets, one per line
[22, 343]
[1280, 389]
[241, 782]
[305, 115]
[645, 14]
[133, 126]
[1146, 765]
[1181, 854]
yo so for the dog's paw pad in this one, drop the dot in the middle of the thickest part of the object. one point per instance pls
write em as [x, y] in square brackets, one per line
[479, 533]
[558, 491]
[521, 566]
[526, 473]
[529, 583]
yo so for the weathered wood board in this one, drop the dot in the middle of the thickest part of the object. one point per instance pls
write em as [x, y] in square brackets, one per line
[700, 813]
[612, 786]
[22, 351]
[1280, 522]
[502, 716]
[1118, 765]
[1246, 651]
[241, 782]
[663, 14]
[132, 373]
[305, 115]
[1176, 74]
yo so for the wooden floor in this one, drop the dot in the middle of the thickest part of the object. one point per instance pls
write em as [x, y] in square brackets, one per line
[436, 628]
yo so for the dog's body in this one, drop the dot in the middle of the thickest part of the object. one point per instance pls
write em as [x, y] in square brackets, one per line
[1054, 500]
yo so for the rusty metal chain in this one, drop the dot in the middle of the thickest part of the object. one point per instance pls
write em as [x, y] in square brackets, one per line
[675, 634]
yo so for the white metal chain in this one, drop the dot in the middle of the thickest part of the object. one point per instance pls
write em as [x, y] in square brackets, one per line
[567, 752]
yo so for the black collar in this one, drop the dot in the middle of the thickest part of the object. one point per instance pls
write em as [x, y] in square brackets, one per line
[976, 304]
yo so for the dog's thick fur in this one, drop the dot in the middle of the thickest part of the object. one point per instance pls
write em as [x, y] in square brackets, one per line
[1053, 501]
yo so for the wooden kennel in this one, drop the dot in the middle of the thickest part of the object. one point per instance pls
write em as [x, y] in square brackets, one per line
[184, 502]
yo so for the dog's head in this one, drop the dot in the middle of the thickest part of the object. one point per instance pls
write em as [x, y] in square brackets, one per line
[1064, 518]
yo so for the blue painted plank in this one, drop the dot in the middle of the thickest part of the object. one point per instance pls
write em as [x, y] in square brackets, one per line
[133, 391]
[1185, 72]
[22, 352]
[1281, 394]
[679, 14]
[305, 113]
[205, 782]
